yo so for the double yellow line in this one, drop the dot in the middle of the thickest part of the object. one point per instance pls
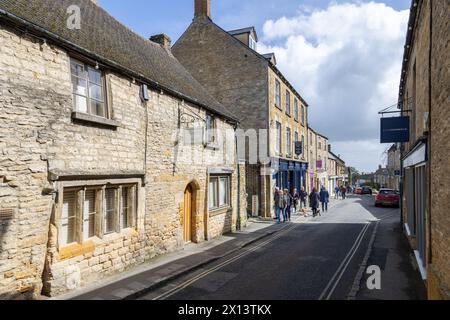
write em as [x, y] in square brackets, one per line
[187, 283]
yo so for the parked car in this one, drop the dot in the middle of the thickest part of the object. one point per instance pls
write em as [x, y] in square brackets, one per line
[366, 190]
[387, 197]
[358, 190]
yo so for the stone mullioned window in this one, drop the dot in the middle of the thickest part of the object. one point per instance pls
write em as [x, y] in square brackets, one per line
[94, 211]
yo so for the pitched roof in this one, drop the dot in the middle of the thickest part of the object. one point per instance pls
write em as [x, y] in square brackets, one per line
[103, 38]
[202, 21]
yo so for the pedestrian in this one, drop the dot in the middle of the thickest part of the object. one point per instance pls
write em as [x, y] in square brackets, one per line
[343, 192]
[279, 205]
[287, 206]
[295, 199]
[314, 200]
[303, 196]
[336, 192]
[324, 199]
[276, 196]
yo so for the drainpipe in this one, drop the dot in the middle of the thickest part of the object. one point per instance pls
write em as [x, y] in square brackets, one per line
[430, 83]
[238, 221]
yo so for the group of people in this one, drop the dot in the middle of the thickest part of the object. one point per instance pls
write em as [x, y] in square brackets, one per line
[286, 201]
[341, 192]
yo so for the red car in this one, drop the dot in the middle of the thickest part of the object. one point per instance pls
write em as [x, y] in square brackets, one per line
[387, 197]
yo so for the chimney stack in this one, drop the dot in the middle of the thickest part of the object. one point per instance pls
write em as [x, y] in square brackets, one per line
[163, 40]
[203, 8]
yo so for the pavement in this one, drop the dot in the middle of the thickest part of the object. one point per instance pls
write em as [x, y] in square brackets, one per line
[306, 259]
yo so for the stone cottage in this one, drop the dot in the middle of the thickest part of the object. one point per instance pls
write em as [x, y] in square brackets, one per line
[111, 153]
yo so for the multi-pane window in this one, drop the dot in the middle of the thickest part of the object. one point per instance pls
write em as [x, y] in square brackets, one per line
[68, 218]
[288, 103]
[89, 213]
[296, 138]
[110, 210]
[95, 211]
[219, 192]
[210, 129]
[303, 144]
[288, 141]
[303, 115]
[277, 93]
[252, 43]
[88, 89]
[278, 143]
[295, 109]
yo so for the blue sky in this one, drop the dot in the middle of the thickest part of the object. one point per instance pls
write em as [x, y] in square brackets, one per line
[344, 57]
[148, 17]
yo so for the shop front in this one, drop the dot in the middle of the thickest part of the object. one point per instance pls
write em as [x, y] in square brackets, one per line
[290, 175]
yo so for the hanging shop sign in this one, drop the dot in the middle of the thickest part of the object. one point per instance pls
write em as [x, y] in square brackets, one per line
[395, 130]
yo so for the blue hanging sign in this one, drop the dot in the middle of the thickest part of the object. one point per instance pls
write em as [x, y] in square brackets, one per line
[395, 130]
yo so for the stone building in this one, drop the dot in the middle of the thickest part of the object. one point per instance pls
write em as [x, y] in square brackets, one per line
[269, 108]
[111, 152]
[393, 167]
[337, 175]
[424, 96]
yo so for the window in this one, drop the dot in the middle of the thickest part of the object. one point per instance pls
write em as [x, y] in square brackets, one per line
[252, 43]
[88, 89]
[288, 141]
[68, 218]
[310, 138]
[296, 137]
[210, 129]
[303, 115]
[110, 210]
[320, 144]
[288, 103]
[277, 94]
[295, 109]
[303, 144]
[89, 214]
[219, 192]
[92, 211]
[278, 144]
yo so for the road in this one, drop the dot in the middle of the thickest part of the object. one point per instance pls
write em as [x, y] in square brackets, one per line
[319, 259]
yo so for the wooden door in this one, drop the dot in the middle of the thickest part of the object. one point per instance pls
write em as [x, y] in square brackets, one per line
[187, 215]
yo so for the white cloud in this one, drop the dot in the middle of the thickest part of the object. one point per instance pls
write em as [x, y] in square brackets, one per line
[345, 60]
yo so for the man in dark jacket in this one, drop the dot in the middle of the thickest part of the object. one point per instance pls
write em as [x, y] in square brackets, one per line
[314, 200]
[324, 199]
[303, 196]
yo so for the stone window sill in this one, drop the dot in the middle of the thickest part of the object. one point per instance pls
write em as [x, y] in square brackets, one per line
[220, 211]
[84, 117]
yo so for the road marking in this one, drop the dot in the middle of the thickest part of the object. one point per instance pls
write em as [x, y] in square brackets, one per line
[187, 283]
[344, 265]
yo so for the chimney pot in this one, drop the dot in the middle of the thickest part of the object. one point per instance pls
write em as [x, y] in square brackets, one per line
[203, 8]
[163, 40]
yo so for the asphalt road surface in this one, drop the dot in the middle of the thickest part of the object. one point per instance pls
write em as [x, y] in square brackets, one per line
[319, 259]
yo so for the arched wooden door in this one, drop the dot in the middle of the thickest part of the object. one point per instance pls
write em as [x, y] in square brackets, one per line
[187, 214]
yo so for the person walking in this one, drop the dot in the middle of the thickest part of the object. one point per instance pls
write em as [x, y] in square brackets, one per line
[279, 204]
[324, 199]
[295, 200]
[314, 199]
[336, 192]
[288, 205]
[303, 195]
[343, 192]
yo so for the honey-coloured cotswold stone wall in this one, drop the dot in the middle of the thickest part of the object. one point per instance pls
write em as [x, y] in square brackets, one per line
[41, 147]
